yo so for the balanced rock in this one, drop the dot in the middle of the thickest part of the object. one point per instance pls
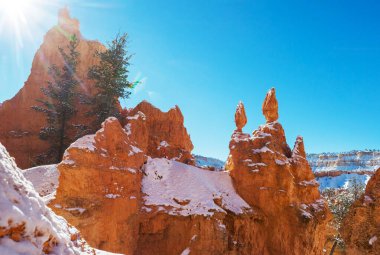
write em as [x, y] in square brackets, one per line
[19, 130]
[268, 175]
[160, 134]
[270, 106]
[240, 117]
[361, 227]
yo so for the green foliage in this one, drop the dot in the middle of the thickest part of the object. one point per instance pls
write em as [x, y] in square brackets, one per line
[340, 201]
[111, 80]
[58, 106]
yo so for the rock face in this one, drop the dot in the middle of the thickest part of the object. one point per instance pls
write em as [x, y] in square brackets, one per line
[160, 134]
[27, 225]
[100, 187]
[361, 227]
[19, 131]
[268, 175]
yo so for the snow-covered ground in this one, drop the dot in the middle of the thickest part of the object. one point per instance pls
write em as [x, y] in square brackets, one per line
[341, 181]
[44, 180]
[201, 161]
[21, 205]
[180, 189]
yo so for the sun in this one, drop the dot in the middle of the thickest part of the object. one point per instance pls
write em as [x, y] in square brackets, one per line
[13, 7]
[22, 20]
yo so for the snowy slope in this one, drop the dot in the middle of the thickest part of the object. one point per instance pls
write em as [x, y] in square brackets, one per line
[341, 181]
[44, 180]
[23, 211]
[353, 161]
[201, 161]
[187, 190]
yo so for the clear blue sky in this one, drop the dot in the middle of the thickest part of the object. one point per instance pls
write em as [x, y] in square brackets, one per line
[322, 56]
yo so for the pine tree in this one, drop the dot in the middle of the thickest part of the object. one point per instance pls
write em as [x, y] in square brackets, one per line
[111, 80]
[59, 106]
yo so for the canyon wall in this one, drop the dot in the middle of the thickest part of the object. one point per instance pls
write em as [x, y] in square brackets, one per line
[20, 127]
[268, 175]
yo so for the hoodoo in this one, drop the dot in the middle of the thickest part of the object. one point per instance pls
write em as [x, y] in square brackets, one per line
[268, 175]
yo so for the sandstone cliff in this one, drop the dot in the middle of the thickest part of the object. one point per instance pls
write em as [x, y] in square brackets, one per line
[270, 176]
[19, 130]
[27, 226]
[361, 226]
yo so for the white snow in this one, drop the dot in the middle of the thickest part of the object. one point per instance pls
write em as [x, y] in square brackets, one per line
[112, 196]
[341, 181]
[79, 209]
[43, 178]
[262, 150]
[372, 240]
[134, 150]
[86, 143]
[21, 204]
[163, 144]
[187, 190]
[309, 183]
[186, 251]
[127, 128]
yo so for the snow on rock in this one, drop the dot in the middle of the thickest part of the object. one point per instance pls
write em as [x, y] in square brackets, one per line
[186, 251]
[43, 178]
[85, 142]
[188, 190]
[27, 225]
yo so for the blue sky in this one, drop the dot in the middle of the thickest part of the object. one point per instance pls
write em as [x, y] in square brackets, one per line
[323, 58]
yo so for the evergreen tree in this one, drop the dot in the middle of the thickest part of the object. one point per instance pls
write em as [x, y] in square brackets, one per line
[111, 80]
[59, 106]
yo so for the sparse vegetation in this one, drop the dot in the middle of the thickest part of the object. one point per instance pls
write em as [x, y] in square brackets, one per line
[340, 201]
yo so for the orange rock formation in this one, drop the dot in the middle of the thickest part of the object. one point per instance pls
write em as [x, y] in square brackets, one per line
[361, 227]
[160, 134]
[121, 204]
[269, 175]
[100, 187]
[19, 131]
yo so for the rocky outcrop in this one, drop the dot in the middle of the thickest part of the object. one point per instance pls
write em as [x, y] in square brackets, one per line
[19, 130]
[268, 175]
[361, 227]
[100, 187]
[160, 134]
[334, 164]
[27, 225]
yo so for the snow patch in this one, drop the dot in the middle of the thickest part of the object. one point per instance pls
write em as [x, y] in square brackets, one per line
[189, 190]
